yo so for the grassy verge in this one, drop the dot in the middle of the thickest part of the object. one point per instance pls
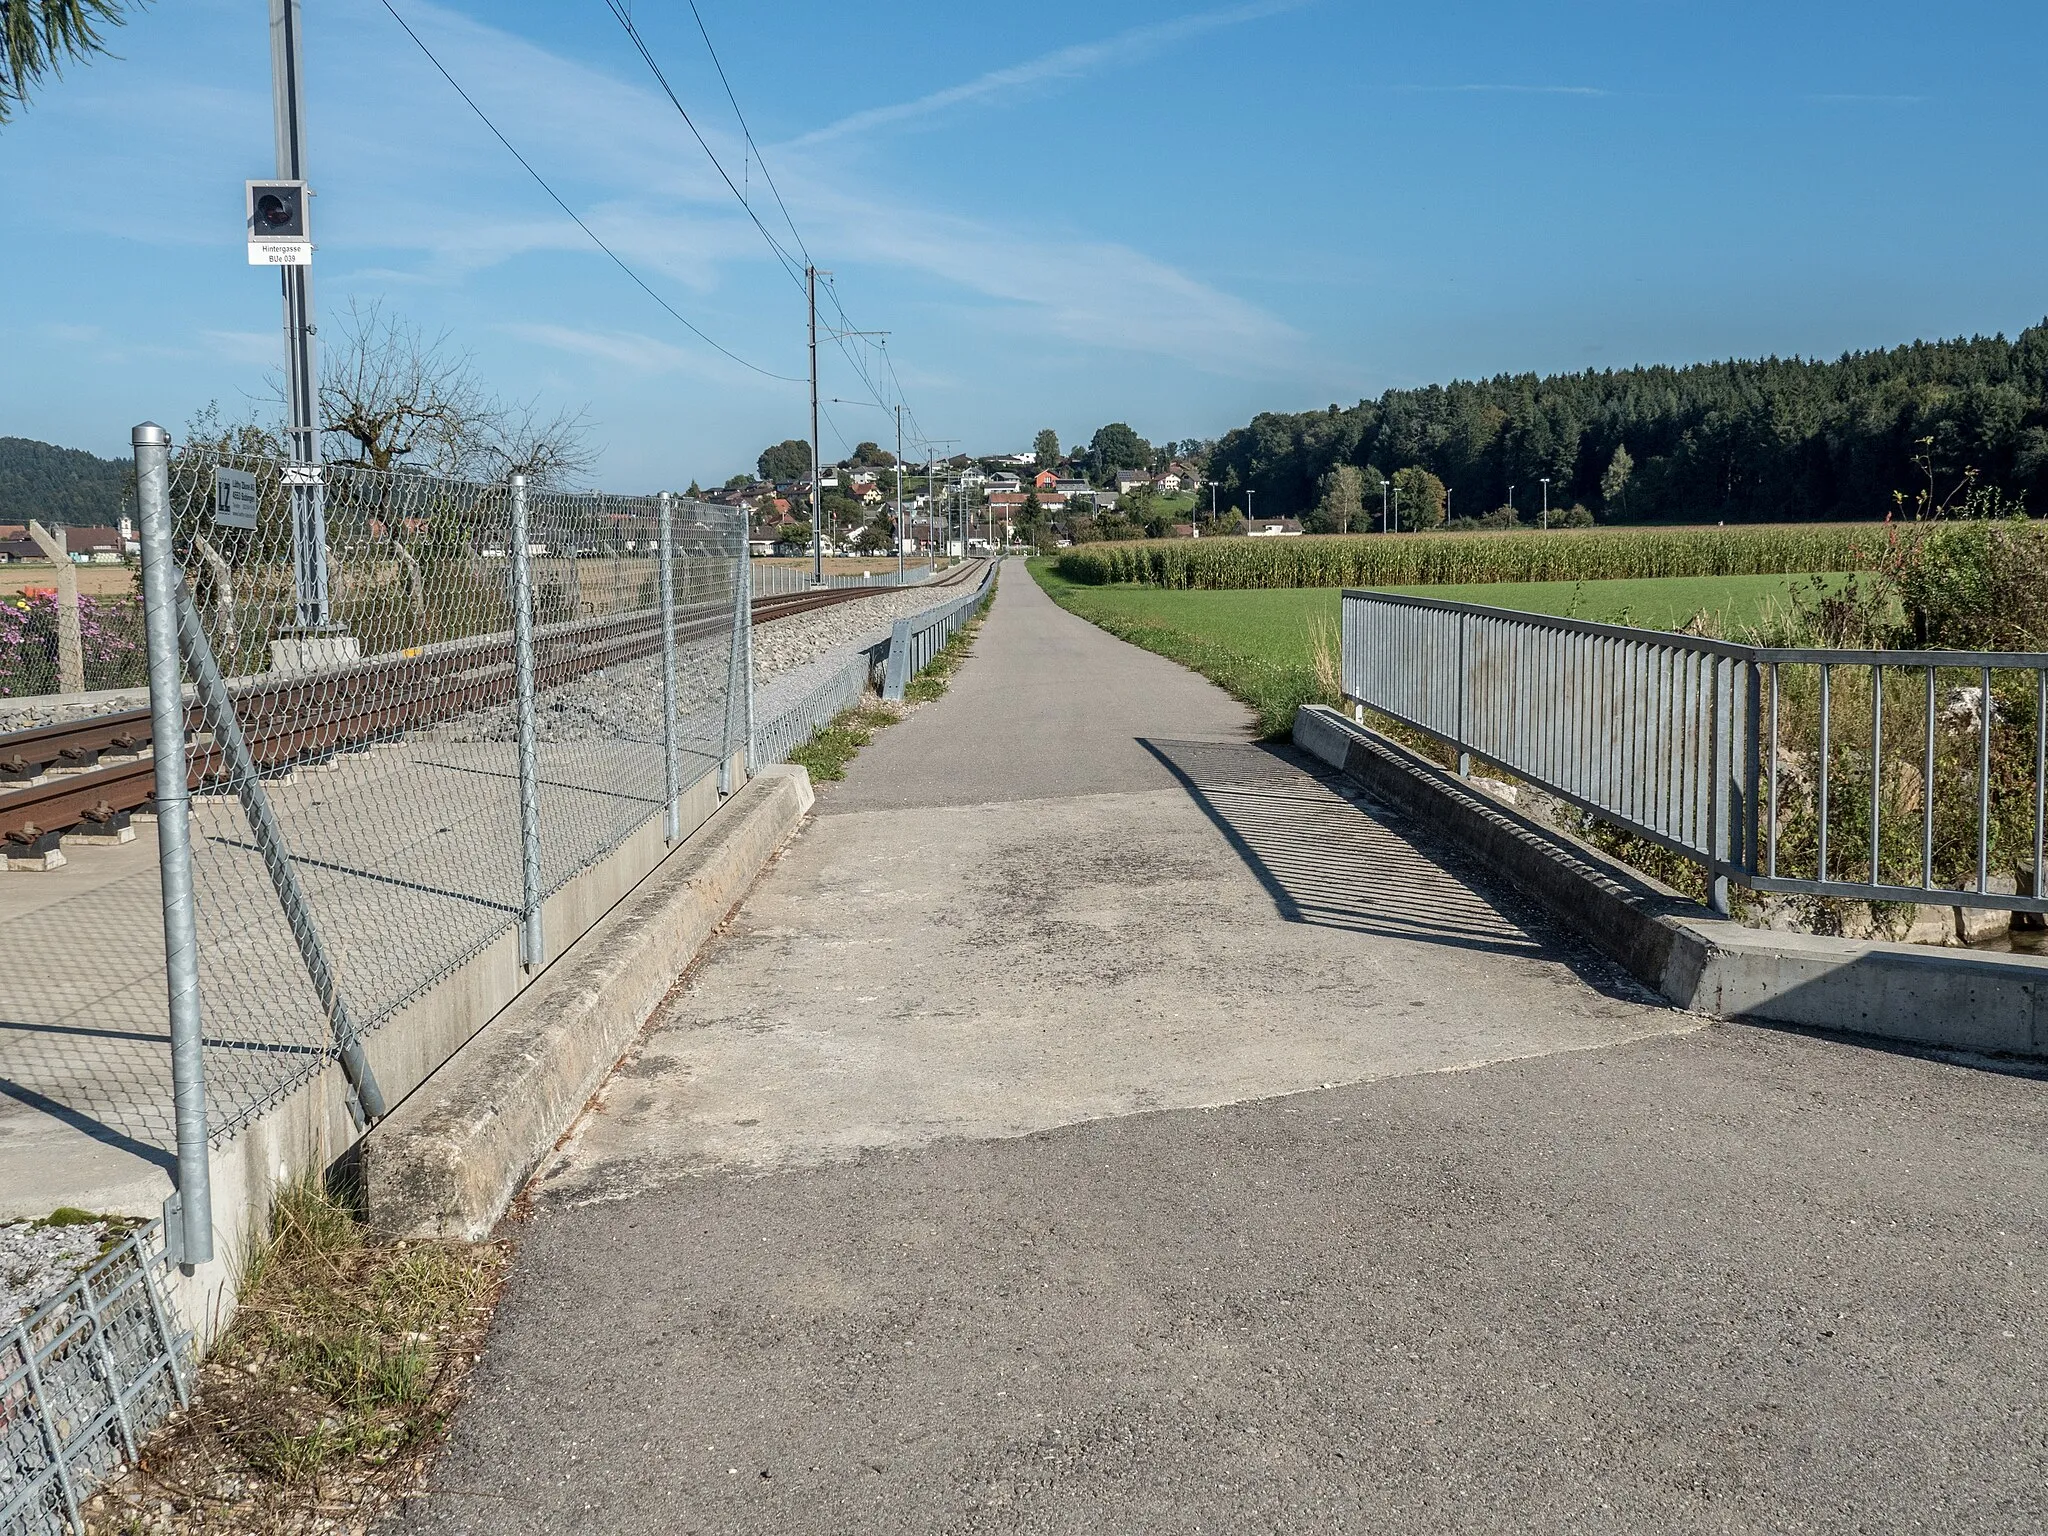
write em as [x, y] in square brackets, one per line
[330, 1393]
[1268, 658]
[826, 755]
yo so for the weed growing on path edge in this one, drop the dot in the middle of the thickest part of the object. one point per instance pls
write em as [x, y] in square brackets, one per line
[328, 1397]
[826, 755]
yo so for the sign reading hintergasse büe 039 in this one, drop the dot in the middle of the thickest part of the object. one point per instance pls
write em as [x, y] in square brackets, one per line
[280, 234]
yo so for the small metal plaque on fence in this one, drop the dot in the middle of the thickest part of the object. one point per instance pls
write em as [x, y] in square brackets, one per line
[234, 498]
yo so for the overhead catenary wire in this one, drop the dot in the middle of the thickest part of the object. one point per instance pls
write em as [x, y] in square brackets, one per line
[790, 265]
[576, 218]
[795, 270]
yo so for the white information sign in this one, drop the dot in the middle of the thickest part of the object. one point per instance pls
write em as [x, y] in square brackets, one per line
[234, 498]
[280, 253]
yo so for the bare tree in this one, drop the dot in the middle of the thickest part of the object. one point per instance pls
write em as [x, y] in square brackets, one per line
[399, 399]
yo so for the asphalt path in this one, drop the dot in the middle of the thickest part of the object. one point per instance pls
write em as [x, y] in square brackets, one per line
[985, 1178]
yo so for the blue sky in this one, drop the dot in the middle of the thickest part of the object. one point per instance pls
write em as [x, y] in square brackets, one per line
[1063, 213]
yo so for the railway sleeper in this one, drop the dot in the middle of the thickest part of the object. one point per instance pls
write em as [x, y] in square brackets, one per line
[30, 847]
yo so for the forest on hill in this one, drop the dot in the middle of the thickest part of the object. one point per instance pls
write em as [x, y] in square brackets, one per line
[60, 485]
[1782, 439]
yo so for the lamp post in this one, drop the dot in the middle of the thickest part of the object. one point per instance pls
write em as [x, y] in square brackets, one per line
[1385, 526]
[1247, 506]
[1511, 497]
[1397, 506]
[1546, 503]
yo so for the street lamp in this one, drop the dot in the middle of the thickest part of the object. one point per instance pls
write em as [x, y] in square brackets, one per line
[1397, 503]
[1384, 482]
[1546, 503]
[1247, 506]
[1511, 498]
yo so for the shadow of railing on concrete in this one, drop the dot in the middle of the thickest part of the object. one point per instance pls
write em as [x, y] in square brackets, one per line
[1328, 861]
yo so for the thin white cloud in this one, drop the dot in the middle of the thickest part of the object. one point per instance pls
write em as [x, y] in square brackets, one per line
[1854, 99]
[624, 349]
[664, 209]
[1507, 90]
[259, 348]
[1070, 63]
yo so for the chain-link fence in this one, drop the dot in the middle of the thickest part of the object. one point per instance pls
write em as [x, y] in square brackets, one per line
[418, 709]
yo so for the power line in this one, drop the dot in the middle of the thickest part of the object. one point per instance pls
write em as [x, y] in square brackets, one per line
[624, 18]
[747, 133]
[617, 260]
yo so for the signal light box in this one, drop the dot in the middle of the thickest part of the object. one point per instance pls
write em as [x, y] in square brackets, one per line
[280, 234]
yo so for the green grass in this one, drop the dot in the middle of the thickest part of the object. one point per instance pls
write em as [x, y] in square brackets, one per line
[1733, 604]
[825, 756]
[1261, 646]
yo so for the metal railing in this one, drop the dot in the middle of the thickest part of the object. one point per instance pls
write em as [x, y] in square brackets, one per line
[775, 578]
[909, 649]
[84, 1378]
[916, 640]
[1891, 776]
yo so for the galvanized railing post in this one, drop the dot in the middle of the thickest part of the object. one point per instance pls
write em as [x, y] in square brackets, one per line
[737, 670]
[1464, 691]
[188, 1231]
[745, 598]
[671, 766]
[531, 946]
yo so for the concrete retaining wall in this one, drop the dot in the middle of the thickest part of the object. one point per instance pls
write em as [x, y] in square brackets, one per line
[1956, 999]
[448, 1160]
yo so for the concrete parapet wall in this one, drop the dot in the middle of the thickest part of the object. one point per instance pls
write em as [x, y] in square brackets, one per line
[450, 1158]
[1954, 999]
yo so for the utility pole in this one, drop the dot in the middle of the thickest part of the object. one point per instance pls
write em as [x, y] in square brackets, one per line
[301, 373]
[817, 494]
[899, 494]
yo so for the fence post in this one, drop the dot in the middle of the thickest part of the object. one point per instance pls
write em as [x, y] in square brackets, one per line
[190, 1235]
[671, 772]
[739, 670]
[746, 602]
[1720, 732]
[1464, 692]
[70, 647]
[531, 946]
[217, 709]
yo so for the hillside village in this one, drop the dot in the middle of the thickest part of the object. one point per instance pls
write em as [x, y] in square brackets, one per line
[1116, 487]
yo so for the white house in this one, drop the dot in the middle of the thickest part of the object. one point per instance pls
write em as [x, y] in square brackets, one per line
[1273, 528]
[1126, 479]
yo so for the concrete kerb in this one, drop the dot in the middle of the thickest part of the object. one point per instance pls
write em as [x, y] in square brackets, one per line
[449, 1160]
[1950, 999]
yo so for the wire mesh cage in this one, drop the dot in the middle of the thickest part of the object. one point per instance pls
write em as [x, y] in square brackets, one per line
[83, 1379]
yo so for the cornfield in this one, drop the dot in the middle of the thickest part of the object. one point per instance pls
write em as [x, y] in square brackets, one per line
[1600, 554]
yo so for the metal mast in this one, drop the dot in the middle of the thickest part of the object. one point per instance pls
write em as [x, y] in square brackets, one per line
[301, 374]
[817, 495]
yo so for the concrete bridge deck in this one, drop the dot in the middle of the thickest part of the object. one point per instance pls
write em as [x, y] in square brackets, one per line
[1098, 1121]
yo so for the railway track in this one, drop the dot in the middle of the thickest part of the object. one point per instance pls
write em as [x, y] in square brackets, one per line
[90, 776]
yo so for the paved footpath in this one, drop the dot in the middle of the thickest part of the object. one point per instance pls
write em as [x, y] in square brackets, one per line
[1096, 1121]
